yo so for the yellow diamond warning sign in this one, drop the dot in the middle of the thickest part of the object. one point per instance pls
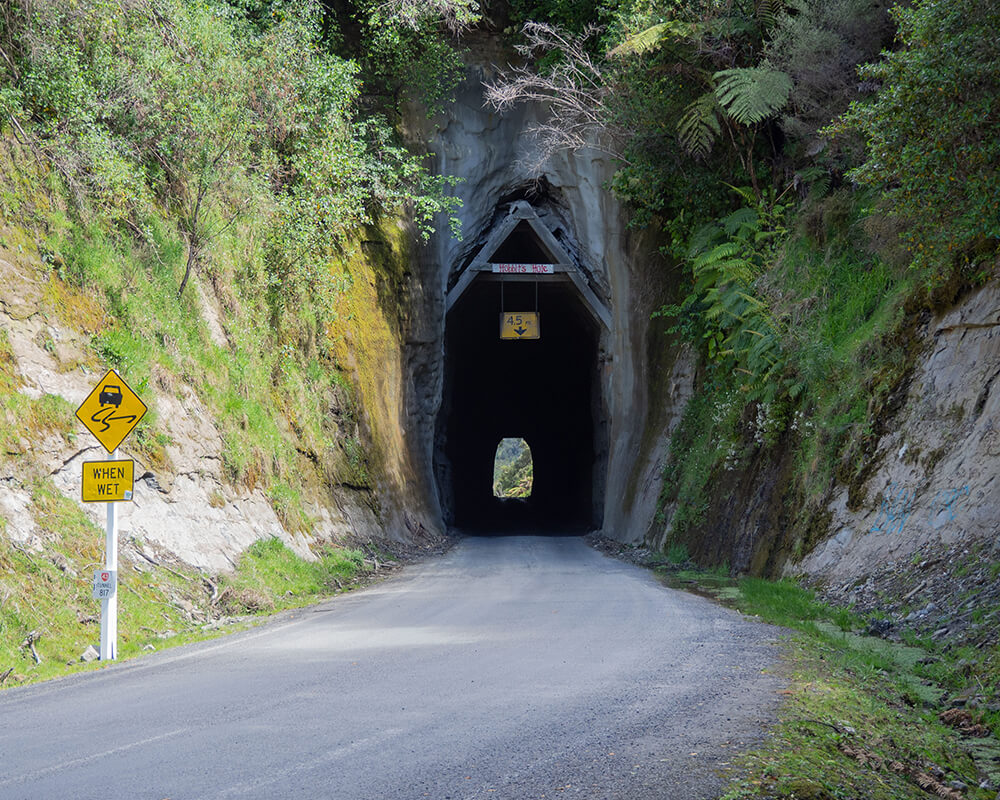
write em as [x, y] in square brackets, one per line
[111, 411]
[522, 325]
[107, 481]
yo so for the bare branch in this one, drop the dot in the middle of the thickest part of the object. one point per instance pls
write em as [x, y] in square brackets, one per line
[574, 92]
[457, 15]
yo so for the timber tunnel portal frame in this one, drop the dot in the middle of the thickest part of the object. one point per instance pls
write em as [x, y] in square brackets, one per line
[546, 390]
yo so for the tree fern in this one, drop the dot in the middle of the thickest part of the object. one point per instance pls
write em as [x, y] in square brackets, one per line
[752, 94]
[699, 126]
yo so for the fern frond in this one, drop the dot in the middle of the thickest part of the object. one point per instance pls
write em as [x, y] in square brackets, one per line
[643, 41]
[767, 12]
[699, 125]
[754, 301]
[746, 193]
[752, 94]
[714, 312]
[719, 253]
[764, 346]
[653, 37]
[740, 218]
[817, 179]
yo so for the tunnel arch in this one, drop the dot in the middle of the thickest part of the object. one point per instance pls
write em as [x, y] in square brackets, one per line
[547, 390]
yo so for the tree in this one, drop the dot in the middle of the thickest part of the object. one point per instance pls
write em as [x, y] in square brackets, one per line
[932, 129]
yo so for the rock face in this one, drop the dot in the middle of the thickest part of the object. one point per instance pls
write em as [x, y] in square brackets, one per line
[936, 476]
[187, 509]
[486, 151]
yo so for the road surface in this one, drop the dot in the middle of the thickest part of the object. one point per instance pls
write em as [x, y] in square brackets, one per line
[510, 668]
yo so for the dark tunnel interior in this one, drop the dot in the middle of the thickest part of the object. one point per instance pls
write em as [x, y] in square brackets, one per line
[543, 390]
[522, 246]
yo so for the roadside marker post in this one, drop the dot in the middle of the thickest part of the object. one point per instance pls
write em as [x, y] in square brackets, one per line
[110, 412]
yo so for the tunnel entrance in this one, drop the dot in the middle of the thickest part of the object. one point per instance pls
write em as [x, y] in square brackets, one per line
[546, 390]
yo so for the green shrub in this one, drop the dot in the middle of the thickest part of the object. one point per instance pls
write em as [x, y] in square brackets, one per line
[932, 130]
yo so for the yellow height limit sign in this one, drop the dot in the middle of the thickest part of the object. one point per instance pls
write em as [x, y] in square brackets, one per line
[522, 325]
[111, 411]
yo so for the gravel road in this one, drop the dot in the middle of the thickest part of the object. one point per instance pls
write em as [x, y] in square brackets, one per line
[510, 668]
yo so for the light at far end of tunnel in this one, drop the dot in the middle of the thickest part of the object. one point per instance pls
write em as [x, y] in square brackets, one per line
[513, 470]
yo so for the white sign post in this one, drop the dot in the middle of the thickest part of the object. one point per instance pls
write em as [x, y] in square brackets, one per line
[109, 604]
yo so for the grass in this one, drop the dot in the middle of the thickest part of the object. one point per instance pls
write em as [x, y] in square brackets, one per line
[677, 553]
[269, 576]
[22, 418]
[46, 590]
[296, 393]
[861, 717]
[268, 389]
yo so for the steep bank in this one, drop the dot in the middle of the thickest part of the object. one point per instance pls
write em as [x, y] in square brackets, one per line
[932, 475]
[197, 199]
[263, 479]
[187, 501]
[926, 477]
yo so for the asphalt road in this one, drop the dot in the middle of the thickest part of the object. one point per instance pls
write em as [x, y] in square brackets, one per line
[509, 668]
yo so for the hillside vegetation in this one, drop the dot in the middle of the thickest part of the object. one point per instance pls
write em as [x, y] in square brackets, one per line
[213, 197]
[819, 174]
[210, 198]
[152, 145]
[823, 177]
[513, 470]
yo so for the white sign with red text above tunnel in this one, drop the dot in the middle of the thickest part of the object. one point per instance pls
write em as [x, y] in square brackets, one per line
[520, 325]
[523, 269]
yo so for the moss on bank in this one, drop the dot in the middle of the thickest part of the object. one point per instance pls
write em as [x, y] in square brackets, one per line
[850, 324]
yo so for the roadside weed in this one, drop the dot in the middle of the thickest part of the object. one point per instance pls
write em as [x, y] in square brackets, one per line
[862, 716]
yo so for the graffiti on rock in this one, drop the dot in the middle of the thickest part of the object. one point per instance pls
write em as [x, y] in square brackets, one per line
[894, 509]
[943, 505]
[896, 505]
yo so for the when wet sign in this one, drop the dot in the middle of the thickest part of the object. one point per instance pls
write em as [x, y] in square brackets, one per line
[107, 481]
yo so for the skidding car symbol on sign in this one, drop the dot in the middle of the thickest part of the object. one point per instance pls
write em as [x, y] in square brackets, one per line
[111, 396]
